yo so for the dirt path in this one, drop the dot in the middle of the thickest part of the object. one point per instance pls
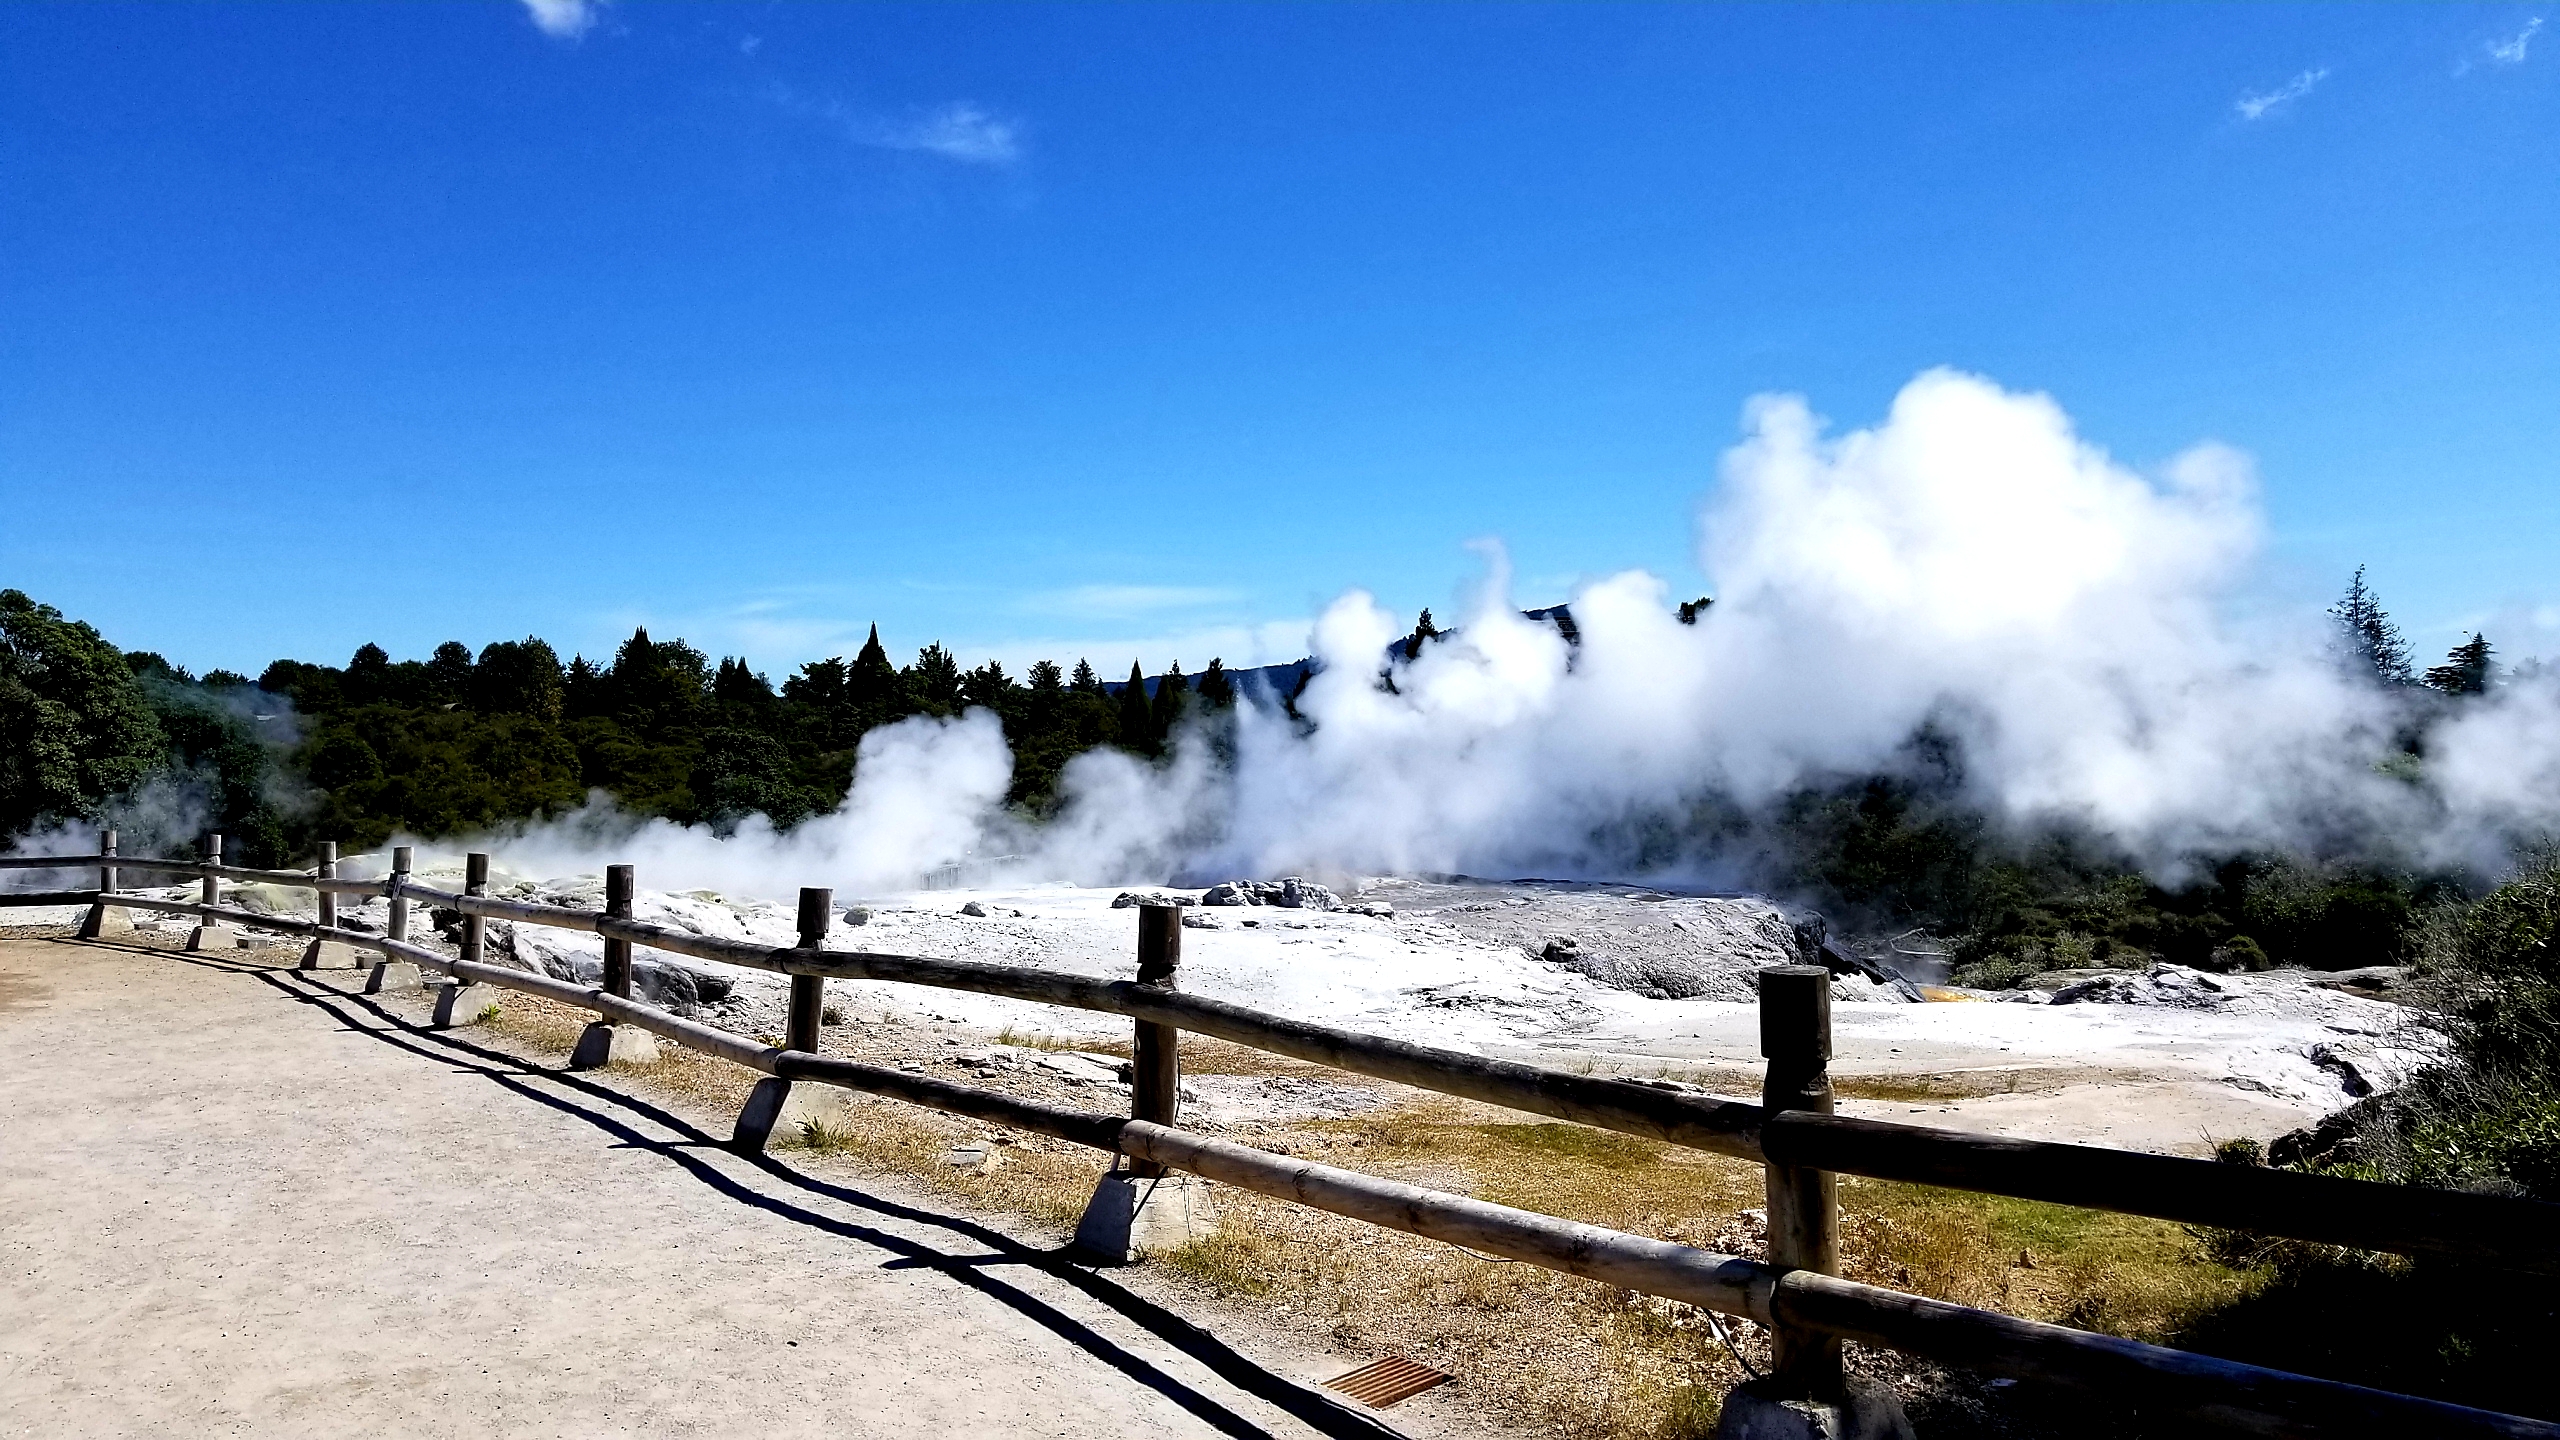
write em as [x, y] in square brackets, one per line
[236, 1202]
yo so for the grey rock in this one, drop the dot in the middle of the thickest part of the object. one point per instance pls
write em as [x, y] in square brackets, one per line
[2175, 986]
[2369, 980]
[1297, 894]
[668, 986]
[1131, 899]
[857, 915]
[2339, 1136]
[974, 908]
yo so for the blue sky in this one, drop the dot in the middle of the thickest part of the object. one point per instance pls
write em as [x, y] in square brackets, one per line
[1148, 329]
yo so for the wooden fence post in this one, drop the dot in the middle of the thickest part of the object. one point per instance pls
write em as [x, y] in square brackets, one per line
[458, 1001]
[602, 1042]
[618, 888]
[328, 870]
[809, 992]
[211, 934]
[324, 953]
[475, 881]
[769, 1106]
[1804, 1204]
[104, 920]
[1805, 1393]
[1148, 1208]
[1155, 1069]
[397, 926]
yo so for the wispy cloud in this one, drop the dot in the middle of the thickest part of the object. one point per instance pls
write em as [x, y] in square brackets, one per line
[2259, 105]
[2511, 51]
[960, 131]
[565, 19]
[1108, 602]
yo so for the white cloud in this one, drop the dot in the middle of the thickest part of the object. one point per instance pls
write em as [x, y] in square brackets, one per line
[2257, 106]
[2511, 51]
[565, 19]
[962, 130]
[959, 131]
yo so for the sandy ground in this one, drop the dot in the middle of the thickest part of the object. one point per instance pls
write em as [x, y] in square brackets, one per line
[234, 1201]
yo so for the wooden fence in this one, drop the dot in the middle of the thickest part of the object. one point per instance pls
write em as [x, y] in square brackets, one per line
[1796, 1293]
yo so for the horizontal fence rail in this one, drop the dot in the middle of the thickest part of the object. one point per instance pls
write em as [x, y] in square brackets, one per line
[2507, 1232]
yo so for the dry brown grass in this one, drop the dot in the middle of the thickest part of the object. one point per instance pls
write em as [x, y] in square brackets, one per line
[1538, 1350]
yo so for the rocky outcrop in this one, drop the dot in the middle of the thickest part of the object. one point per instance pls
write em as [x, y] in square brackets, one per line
[2162, 984]
[2337, 1139]
[1292, 893]
[654, 978]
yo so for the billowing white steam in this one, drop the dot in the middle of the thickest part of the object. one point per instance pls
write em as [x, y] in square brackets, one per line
[1969, 563]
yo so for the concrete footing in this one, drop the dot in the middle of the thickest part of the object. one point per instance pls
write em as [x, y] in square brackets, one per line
[331, 955]
[463, 1004]
[601, 1044]
[213, 937]
[779, 1114]
[1130, 1217]
[387, 975]
[1868, 1412]
[106, 922]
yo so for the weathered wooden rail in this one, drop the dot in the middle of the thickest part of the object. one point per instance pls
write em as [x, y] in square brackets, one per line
[1796, 1293]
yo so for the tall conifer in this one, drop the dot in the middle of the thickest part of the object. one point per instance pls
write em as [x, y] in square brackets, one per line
[1137, 722]
[2465, 670]
[1173, 695]
[1217, 688]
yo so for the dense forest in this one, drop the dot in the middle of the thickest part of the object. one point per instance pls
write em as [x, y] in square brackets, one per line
[458, 742]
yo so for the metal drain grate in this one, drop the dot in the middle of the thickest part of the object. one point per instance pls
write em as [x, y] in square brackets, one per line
[1385, 1382]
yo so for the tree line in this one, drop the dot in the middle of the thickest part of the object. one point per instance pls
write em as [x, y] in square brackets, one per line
[461, 741]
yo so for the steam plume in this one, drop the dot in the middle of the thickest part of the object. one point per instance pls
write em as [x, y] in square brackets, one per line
[1970, 564]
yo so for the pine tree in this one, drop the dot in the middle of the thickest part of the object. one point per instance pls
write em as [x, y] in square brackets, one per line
[987, 685]
[581, 691]
[1423, 630]
[1137, 722]
[2368, 642]
[2465, 670]
[872, 680]
[1217, 688]
[1085, 682]
[934, 679]
[1173, 696]
[820, 683]
[734, 684]
[1045, 680]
